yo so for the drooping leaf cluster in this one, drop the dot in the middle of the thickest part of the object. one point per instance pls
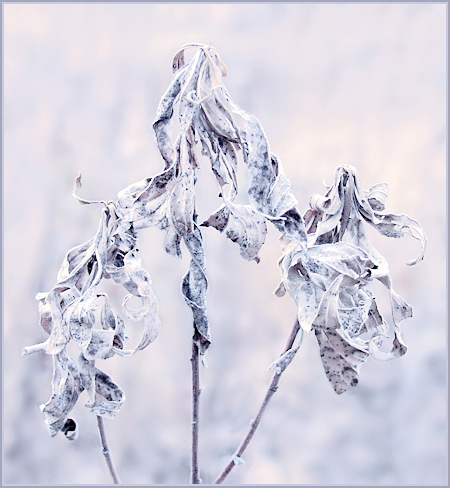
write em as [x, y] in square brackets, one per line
[330, 282]
[74, 310]
[327, 265]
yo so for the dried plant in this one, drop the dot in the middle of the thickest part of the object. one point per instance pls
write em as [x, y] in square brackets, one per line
[330, 282]
[327, 264]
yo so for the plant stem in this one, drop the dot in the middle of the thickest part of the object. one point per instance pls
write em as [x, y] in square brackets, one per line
[105, 451]
[236, 458]
[195, 478]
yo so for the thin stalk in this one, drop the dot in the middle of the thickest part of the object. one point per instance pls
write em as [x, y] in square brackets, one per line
[236, 458]
[105, 451]
[195, 478]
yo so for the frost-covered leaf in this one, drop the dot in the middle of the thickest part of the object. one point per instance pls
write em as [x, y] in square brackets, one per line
[66, 388]
[329, 279]
[339, 215]
[241, 224]
[286, 358]
[68, 311]
[329, 284]
[181, 204]
[340, 360]
[248, 229]
[172, 243]
[109, 396]
[377, 195]
[194, 288]
[319, 275]
[219, 219]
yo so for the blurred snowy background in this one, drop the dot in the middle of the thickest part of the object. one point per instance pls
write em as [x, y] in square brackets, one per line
[331, 84]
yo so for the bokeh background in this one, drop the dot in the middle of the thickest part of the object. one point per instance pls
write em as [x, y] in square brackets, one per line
[331, 84]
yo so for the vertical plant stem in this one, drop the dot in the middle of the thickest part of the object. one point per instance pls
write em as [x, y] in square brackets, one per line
[195, 478]
[236, 459]
[105, 450]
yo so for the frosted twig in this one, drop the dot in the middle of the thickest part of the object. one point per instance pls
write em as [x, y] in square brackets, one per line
[195, 478]
[236, 458]
[105, 451]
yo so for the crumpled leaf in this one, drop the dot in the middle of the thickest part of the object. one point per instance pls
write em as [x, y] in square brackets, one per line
[339, 214]
[329, 284]
[105, 398]
[314, 278]
[209, 116]
[68, 314]
[243, 225]
[329, 279]
[194, 287]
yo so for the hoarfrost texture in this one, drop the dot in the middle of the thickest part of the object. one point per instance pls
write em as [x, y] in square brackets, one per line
[329, 282]
[207, 115]
[326, 267]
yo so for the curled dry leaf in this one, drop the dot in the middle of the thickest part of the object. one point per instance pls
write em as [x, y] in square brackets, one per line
[207, 117]
[329, 280]
[69, 313]
[242, 224]
[341, 213]
[329, 283]
[326, 277]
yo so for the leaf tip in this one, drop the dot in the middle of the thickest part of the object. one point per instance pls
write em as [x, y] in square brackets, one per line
[70, 430]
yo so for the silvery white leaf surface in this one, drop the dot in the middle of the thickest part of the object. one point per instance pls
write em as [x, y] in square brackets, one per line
[336, 215]
[194, 286]
[329, 280]
[68, 313]
[66, 388]
[286, 358]
[241, 224]
[329, 284]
